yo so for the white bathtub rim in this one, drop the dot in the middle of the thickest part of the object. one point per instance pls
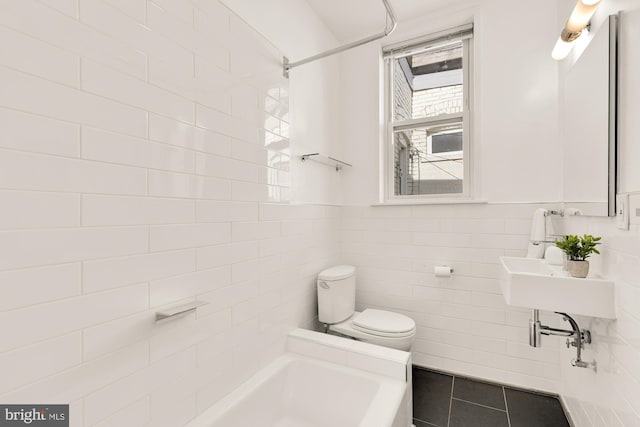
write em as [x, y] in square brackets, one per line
[381, 411]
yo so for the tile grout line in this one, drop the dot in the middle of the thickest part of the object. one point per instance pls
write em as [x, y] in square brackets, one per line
[506, 406]
[453, 382]
[505, 400]
[425, 422]
[478, 404]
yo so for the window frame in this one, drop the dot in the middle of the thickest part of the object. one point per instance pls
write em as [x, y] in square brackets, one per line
[391, 126]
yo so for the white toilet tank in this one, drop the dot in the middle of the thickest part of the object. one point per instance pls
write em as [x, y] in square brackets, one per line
[336, 293]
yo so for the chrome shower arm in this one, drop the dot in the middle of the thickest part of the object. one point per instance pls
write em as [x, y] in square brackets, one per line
[387, 30]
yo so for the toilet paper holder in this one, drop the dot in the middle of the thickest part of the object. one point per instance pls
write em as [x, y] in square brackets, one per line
[442, 270]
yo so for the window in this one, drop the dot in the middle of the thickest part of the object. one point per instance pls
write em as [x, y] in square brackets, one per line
[428, 141]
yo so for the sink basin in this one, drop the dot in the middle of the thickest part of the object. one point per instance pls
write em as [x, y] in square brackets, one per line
[532, 283]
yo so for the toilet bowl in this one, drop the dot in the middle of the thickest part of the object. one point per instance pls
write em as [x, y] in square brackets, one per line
[399, 339]
[336, 309]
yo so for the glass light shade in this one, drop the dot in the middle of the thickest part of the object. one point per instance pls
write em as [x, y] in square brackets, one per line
[581, 15]
[561, 49]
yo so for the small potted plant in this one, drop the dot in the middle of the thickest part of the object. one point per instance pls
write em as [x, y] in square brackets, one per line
[578, 249]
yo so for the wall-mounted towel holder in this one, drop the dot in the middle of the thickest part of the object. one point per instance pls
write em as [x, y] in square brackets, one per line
[326, 160]
[176, 311]
[563, 213]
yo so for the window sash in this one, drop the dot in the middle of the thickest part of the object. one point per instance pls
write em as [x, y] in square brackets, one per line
[442, 119]
[430, 158]
[391, 54]
[421, 44]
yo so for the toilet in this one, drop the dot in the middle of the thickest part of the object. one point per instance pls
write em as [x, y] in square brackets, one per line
[336, 309]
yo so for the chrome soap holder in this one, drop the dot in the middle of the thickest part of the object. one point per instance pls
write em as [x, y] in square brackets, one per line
[177, 311]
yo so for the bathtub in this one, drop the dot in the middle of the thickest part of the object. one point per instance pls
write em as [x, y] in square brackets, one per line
[299, 391]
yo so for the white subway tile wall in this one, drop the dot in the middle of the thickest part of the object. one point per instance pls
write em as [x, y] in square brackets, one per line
[144, 161]
[463, 324]
[612, 396]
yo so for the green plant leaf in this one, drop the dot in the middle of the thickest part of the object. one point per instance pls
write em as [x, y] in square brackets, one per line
[579, 248]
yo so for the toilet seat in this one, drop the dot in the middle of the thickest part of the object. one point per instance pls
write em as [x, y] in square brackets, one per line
[384, 323]
[397, 340]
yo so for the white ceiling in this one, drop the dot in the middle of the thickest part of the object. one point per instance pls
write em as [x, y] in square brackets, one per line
[353, 19]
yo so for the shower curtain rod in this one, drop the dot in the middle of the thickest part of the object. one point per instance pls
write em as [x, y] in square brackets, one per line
[394, 23]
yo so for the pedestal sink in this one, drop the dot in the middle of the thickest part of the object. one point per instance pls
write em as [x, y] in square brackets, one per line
[532, 283]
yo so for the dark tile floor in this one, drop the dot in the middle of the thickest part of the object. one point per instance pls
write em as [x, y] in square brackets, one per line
[444, 400]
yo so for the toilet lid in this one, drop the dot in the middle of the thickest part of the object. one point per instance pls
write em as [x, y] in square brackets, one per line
[337, 273]
[384, 323]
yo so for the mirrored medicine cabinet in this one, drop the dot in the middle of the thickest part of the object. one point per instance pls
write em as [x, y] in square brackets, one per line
[588, 125]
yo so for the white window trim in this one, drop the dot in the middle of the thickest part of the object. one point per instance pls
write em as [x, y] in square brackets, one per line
[387, 196]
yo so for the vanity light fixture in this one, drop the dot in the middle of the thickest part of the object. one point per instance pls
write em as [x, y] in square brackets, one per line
[577, 22]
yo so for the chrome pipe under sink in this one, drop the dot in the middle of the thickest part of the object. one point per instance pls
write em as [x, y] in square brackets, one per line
[575, 337]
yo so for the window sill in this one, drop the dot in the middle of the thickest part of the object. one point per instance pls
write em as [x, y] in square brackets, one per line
[430, 202]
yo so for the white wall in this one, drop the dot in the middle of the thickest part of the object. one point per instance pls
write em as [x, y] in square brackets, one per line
[515, 103]
[143, 160]
[361, 85]
[463, 323]
[611, 396]
[315, 108]
[521, 150]
[629, 102]
[131, 178]
[576, 184]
